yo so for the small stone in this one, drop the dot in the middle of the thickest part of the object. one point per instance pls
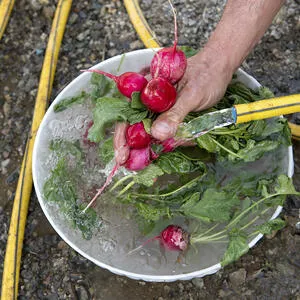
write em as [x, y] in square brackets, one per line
[223, 294]
[59, 262]
[238, 277]
[82, 293]
[275, 34]
[198, 282]
[113, 52]
[5, 154]
[135, 45]
[10, 195]
[276, 53]
[6, 109]
[181, 287]
[7, 97]
[48, 12]
[12, 177]
[44, 36]
[73, 18]
[35, 4]
[142, 283]
[62, 245]
[81, 36]
[5, 163]
[167, 289]
[248, 293]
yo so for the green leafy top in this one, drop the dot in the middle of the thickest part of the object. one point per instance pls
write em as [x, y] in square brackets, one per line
[148, 176]
[214, 205]
[105, 113]
[186, 186]
[237, 246]
[61, 188]
[67, 102]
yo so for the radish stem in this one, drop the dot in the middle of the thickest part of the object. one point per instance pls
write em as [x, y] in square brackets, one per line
[175, 25]
[107, 182]
[170, 193]
[119, 182]
[111, 76]
[226, 149]
[126, 188]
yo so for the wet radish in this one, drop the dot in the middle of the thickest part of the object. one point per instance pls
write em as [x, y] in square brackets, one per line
[159, 95]
[173, 238]
[169, 63]
[138, 159]
[127, 83]
[169, 145]
[137, 137]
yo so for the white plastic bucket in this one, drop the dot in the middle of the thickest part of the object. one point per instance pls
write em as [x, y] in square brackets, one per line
[134, 61]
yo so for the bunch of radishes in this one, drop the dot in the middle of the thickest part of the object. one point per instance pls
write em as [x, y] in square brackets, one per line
[158, 95]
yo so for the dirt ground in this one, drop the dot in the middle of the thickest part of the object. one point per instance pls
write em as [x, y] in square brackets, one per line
[96, 30]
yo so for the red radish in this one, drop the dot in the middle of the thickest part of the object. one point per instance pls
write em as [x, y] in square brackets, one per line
[174, 237]
[159, 95]
[166, 146]
[169, 145]
[169, 63]
[127, 83]
[153, 154]
[137, 137]
[138, 159]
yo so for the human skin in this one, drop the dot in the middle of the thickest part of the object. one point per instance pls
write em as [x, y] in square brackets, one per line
[209, 72]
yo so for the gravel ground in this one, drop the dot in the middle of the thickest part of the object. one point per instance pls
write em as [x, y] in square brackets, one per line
[97, 30]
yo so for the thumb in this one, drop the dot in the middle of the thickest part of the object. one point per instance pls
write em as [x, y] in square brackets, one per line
[166, 124]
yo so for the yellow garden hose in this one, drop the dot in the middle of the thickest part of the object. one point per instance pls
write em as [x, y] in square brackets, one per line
[13, 253]
[295, 129]
[269, 108]
[140, 24]
[6, 7]
[148, 38]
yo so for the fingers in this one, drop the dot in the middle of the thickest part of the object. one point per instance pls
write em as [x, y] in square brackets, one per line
[120, 145]
[166, 124]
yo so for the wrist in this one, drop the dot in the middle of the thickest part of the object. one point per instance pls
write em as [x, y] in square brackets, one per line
[215, 61]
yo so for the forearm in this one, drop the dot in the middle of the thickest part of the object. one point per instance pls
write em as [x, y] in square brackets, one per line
[241, 27]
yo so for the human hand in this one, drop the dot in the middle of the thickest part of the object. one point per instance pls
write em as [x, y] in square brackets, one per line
[203, 85]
